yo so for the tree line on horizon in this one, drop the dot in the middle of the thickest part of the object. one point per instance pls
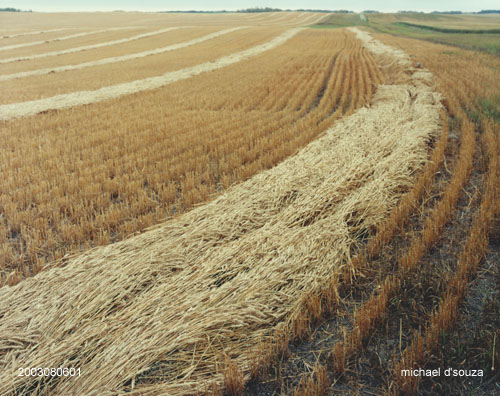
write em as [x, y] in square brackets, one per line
[270, 9]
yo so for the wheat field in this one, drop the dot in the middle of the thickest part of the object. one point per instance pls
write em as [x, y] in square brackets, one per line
[209, 204]
[282, 112]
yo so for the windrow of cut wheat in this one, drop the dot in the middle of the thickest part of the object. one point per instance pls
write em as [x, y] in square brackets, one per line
[51, 47]
[369, 314]
[147, 157]
[162, 311]
[105, 61]
[173, 36]
[60, 38]
[465, 99]
[218, 49]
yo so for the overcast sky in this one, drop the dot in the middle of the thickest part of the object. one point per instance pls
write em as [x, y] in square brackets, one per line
[157, 5]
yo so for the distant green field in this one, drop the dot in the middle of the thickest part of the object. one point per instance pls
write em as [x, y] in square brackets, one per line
[448, 30]
[480, 33]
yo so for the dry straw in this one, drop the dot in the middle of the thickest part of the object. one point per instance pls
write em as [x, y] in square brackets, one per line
[84, 47]
[122, 58]
[161, 312]
[12, 35]
[65, 101]
[71, 36]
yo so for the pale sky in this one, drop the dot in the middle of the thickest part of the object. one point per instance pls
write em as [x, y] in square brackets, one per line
[231, 5]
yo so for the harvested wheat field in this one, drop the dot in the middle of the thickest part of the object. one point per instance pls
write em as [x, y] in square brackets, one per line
[240, 204]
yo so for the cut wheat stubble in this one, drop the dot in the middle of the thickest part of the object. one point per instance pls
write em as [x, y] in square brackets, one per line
[90, 46]
[216, 280]
[71, 36]
[12, 35]
[122, 58]
[64, 101]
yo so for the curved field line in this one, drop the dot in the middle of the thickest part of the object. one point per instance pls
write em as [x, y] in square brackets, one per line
[267, 18]
[259, 15]
[33, 33]
[371, 311]
[71, 36]
[88, 47]
[468, 262]
[114, 59]
[281, 256]
[280, 18]
[317, 20]
[256, 15]
[309, 17]
[294, 20]
[64, 101]
[298, 15]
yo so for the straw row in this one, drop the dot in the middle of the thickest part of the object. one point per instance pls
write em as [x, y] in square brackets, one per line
[105, 61]
[12, 35]
[246, 121]
[71, 36]
[64, 101]
[322, 301]
[83, 47]
[163, 309]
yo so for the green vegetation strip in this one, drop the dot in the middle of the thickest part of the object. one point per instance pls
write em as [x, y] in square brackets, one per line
[445, 30]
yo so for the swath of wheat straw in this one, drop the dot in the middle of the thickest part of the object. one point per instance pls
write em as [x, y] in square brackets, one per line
[9, 35]
[122, 58]
[218, 278]
[64, 101]
[87, 47]
[71, 36]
